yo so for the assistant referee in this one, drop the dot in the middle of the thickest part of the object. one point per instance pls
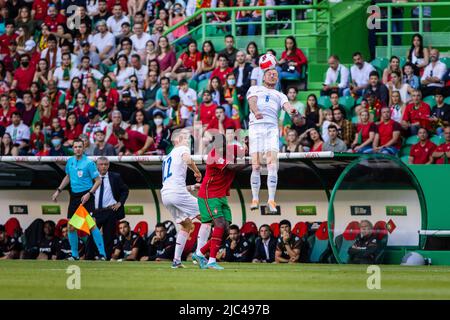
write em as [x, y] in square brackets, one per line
[80, 173]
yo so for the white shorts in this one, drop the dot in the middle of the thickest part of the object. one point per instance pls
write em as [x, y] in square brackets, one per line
[181, 205]
[263, 138]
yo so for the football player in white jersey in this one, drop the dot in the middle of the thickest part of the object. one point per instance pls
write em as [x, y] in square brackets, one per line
[175, 195]
[265, 104]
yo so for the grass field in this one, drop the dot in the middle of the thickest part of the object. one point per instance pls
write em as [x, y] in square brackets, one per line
[126, 280]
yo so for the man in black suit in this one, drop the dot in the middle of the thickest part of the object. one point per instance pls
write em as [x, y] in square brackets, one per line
[110, 199]
[265, 245]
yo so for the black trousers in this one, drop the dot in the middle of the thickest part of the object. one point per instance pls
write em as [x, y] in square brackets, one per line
[75, 201]
[106, 219]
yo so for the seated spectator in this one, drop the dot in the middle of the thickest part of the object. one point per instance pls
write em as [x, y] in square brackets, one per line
[387, 139]
[129, 246]
[397, 107]
[64, 73]
[187, 63]
[63, 250]
[242, 73]
[151, 88]
[221, 17]
[292, 96]
[422, 152]
[101, 147]
[314, 140]
[57, 149]
[93, 125]
[176, 15]
[265, 246]
[165, 93]
[102, 109]
[334, 99]
[165, 56]
[126, 46]
[122, 72]
[237, 247]
[134, 143]
[126, 106]
[73, 129]
[161, 246]
[328, 120]
[81, 108]
[159, 133]
[375, 87]
[85, 71]
[37, 138]
[23, 75]
[188, 96]
[20, 133]
[6, 111]
[292, 60]
[85, 51]
[440, 114]
[103, 42]
[359, 74]
[115, 22]
[42, 74]
[110, 94]
[365, 136]
[207, 108]
[313, 112]
[88, 147]
[217, 93]
[433, 75]
[132, 87]
[293, 143]
[116, 122]
[416, 114]
[394, 66]
[337, 77]
[229, 52]
[26, 108]
[301, 124]
[139, 122]
[288, 244]
[345, 127]
[140, 71]
[417, 55]
[409, 77]
[179, 115]
[48, 244]
[149, 54]
[207, 63]
[365, 248]
[222, 69]
[442, 152]
[221, 122]
[396, 85]
[10, 247]
[334, 144]
[139, 39]
[102, 12]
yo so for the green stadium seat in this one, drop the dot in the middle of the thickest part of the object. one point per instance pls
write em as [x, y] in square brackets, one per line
[446, 60]
[404, 151]
[346, 240]
[318, 244]
[380, 64]
[430, 100]
[324, 102]
[411, 140]
[402, 61]
[355, 119]
[447, 100]
[437, 140]
[358, 102]
[382, 234]
[404, 159]
[348, 103]
[201, 86]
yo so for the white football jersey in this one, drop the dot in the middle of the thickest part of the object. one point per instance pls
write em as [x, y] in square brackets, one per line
[269, 104]
[174, 170]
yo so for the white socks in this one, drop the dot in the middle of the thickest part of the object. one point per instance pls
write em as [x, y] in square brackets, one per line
[182, 237]
[202, 238]
[255, 181]
[272, 180]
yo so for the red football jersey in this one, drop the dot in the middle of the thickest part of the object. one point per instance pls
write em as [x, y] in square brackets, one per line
[422, 154]
[442, 148]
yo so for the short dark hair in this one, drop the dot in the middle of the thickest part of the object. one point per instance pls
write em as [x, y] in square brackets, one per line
[160, 225]
[119, 131]
[221, 55]
[357, 53]
[164, 78]
[332, 126]
[374, 73]
[229, 36]
[234, 227]
[175, 98]
[123, 221]
[182, 82]
[265, 226]
[78, 140]
[285, 222]
[221, 108]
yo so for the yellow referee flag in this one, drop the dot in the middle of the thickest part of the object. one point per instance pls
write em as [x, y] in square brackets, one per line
[82, 220]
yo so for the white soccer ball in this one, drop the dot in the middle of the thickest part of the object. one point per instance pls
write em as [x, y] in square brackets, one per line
[267, 61]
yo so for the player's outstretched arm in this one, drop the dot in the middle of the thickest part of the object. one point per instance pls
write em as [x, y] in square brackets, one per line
[191, 165]
[290, 109]
[252, 103]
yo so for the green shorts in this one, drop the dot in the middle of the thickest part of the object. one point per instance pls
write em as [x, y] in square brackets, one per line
[214, 208]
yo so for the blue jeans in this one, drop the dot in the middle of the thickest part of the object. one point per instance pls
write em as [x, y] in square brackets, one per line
[227, 110]
[202, 76]
[388, 150]
[251, 28]
[347, 92]
[366, 149]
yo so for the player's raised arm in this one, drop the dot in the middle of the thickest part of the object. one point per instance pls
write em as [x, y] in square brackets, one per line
[252, 103]
[290, 109]
[191, 165]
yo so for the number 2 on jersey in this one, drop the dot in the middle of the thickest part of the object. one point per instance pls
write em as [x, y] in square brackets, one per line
[166, 164]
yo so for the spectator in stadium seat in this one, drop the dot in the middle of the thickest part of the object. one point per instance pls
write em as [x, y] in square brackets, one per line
[63, 251]
[365, 136]
[94, 58]
[164, 94]
[242, 73]
[229, 52]
[207, 63]
[101, 13]
[101, 147]
[165, 56]
[64, 73]
[88, 147]
[126, 106]
[363, 251]
[57, 149]
[161, 245]
[440, 114]
[207, 108]
[394, 65]
[7, 148]
[73, 129]
[433, 75]
[134, 143]
[222, 69]
[20, 133]
[417, 55]
[81, 108]
[396, 85]
[217, 93]
[334, 144]
[387, 139]
[48, 244]
[265, 246]
[139, 38]
[237, 247]
[442, 152]
[336, 78]
[37, 139]
[334, 99]
[180, 116]
[23, 75]
[110, 94]
[159, 133]
[301, 124]
[115, 22]
[292, 60]
[9, 247]
[422, 152]
[293, 143]
[377, 88]
[313, 112]
[409, 77]
[26, 108]
[139, 121]
[151, 88]
[103, 42]
[313, 140]
[85, 70]
[359, 73]
[93, 125]
[158, 30]
[116, 122]
[416, 114]
[221, 122]
[288, 244]
[346, 128]
[141, 70]
[188, 96]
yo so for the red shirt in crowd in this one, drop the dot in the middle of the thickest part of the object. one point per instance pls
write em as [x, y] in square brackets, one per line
[386, 132]
[298, 57]
[4, 42]
[74, 133]
[221, 74]
[318, 149]
[40, 8]
[135, 141]
[365, 130]
[227, 124]
[24, 77]
[34, 139]
[5, 117]
[417, 115]
[123, 3]
[190, 60]
[422, 153]
[52, 23]
[82, 112]
[442, 148]
[111, 99]
[207, 113]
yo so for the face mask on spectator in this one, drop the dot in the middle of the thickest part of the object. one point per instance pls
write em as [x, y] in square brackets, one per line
[25, 64]
[158, 121]
[231, 82]
[56, 142]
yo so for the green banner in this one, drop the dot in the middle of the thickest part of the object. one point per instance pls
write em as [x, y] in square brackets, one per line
[306, 210]
[396, 211]
[51, 209]
[134, 210]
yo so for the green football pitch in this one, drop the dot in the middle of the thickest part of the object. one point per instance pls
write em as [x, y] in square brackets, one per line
[139, 280]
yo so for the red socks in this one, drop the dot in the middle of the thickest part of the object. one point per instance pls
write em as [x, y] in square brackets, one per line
[206, 247]
[216, 241]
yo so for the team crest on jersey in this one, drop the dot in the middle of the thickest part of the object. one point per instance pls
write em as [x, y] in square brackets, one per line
[80, 173]
[215, 211]
[220, 161]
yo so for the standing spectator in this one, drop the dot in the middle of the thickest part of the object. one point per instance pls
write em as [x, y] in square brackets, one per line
[242, 73]
[237, 247]
[165, 56]
[161, 246]
[376, 88]
[433, 74]
[207, 108]
[23, 75]
[176, 15]
[387, 140]
[364, 250]
[440, 115]
[394, 65]
[288, 245]
[129, 246]
[265, 246]
[207, 63]
[336, 78]
[334, 144]
[292, 60]
[347, 129]
[110, 200]
[134, 143]
[442, 152]
[416, 114]
[366, 131]
[101, 147]
[422, 152]
[20, 133]
[229, 52]
[359, 73]
[418, 55]
[409, 77]
[187, 63]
